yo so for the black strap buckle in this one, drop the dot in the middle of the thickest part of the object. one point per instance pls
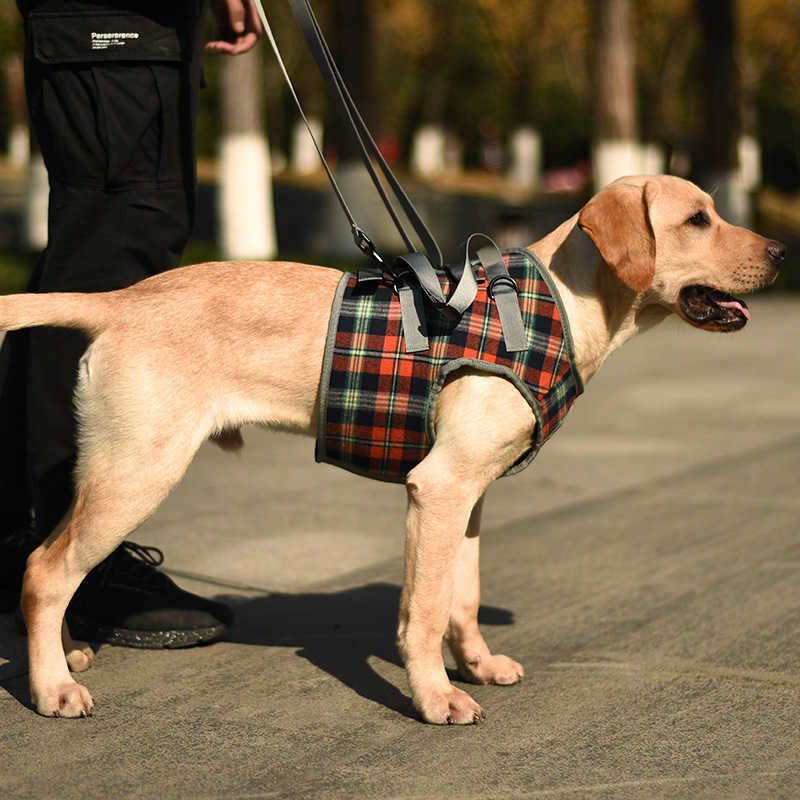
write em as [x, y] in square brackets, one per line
[370, 278]
[365, 244]
[502, 279]
[448, 312]
[401, 276]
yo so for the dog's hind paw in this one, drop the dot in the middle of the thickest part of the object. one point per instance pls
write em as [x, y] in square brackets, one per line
[79, 657]
[69, 700]
[497, 670]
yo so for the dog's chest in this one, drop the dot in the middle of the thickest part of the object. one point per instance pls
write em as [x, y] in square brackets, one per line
[376, 400]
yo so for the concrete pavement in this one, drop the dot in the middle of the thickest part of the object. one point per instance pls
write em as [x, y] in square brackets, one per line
[644, 569]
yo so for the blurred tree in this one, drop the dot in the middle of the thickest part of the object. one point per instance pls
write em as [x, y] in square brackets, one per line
[665, 71]
[613, 61]
[720, 85]
[353, 45]
[247, 220]
[722, 100]
[615, 147]
[542, 72]
[770, 70]
[14, 123]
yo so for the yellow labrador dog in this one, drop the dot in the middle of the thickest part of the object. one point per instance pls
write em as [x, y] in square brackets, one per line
[200, 351]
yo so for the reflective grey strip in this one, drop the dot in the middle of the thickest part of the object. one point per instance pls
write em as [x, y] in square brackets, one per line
[422, 269]
[502, 288]
[418, 279]
[413, 315]
[464, 294]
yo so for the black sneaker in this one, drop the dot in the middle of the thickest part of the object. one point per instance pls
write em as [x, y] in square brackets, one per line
[15, 548]
[127, 601]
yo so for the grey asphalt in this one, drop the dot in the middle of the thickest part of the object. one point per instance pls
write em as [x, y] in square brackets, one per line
[645, 569]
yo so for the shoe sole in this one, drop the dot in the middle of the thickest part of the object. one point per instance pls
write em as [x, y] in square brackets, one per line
[86, 629]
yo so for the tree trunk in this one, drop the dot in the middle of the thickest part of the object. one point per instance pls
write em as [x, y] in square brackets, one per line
[246, 216]
[722, 124]
[616, 150]
[720, 84]
[354, 52]
[18, 134]
[352, 41]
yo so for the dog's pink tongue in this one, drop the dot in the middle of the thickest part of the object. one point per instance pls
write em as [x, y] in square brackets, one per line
[738, 304]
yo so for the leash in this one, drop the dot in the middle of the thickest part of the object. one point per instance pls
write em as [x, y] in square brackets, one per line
[414, 274]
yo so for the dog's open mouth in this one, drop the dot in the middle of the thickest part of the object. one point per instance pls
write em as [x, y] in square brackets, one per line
[712, 309]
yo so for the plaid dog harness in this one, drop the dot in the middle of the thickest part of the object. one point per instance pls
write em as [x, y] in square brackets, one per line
[377, 402]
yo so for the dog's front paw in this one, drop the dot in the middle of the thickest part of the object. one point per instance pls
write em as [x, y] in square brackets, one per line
[497, 670]
[68, 699]
[451, 707]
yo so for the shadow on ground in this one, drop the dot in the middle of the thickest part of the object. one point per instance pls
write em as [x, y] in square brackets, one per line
[338, 632]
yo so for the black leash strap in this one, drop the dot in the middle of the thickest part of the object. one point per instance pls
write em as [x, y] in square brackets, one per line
[351, 116]
[363, 242]
[349, 113]
[414, 275]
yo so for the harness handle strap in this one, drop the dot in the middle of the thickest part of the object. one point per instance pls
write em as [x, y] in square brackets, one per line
[415, 271]
[504, 291]
[350, 114]
[502, 288]
[412, 312]
[418, 266]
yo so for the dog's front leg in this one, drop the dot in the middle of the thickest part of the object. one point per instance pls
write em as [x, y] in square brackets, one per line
[475, 661]
[438, 512]
[483, 426]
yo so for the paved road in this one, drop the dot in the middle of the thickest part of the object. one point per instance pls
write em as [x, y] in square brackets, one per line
[645, 569]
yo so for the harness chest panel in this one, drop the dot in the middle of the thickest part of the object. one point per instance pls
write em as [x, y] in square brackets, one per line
[377, 402]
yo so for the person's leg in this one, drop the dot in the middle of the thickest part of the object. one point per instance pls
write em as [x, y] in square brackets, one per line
[118, 141]
[15, 496]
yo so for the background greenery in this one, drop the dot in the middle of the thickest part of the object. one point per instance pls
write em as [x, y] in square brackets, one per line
[478, 66]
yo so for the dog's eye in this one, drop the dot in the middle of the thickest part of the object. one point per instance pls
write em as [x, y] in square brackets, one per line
[699, 220]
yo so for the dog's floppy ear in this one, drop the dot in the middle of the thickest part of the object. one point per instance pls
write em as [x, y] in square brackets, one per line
[617, 220]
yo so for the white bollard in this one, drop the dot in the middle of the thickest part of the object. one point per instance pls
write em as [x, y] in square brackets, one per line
[37, 195]
[428, 151]
[614, 158]
[750, 162]
[305, 160]
[453, 153]
[526, 158]
[731, 196]
[246, 215]
[652, 160]
[19, 146]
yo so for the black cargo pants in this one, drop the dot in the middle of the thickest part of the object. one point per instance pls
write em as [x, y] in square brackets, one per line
[112, 97]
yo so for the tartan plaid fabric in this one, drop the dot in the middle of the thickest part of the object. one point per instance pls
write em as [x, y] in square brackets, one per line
[374, 417]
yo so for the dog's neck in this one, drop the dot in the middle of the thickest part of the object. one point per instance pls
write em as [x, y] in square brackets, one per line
[603, 313]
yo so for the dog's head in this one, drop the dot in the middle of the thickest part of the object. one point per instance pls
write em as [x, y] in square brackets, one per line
[663, 239]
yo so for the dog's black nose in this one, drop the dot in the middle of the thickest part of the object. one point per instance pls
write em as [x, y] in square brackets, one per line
[777, 252]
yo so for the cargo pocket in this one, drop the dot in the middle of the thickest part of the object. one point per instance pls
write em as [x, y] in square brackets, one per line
[108, 106]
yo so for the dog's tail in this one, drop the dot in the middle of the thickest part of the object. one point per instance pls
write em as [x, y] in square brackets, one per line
[86, 312]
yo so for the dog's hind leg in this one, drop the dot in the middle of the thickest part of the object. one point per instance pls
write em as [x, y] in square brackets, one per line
[79, 655]
[475, 661]
[132, 453]
[111, 500]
